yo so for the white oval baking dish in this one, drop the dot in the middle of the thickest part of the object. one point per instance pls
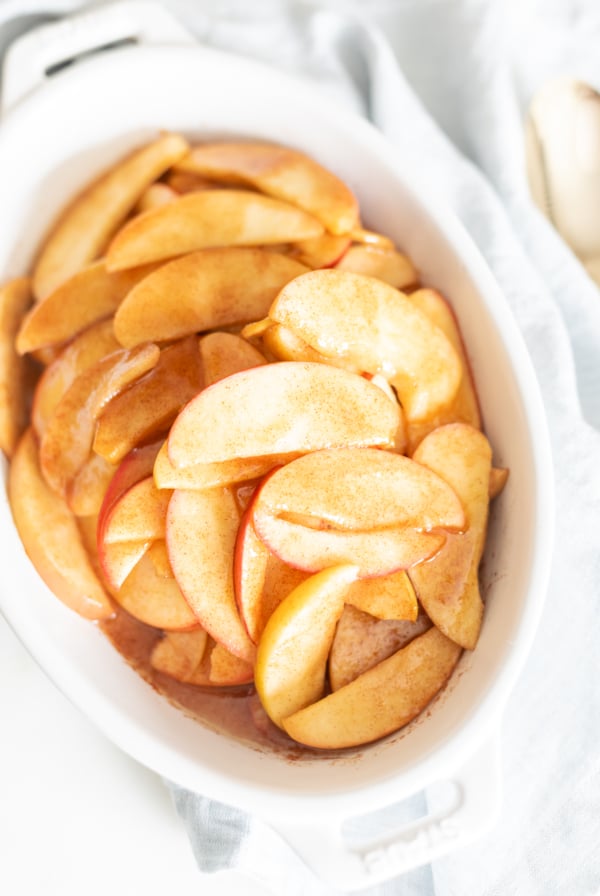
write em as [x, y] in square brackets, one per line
[59, 131]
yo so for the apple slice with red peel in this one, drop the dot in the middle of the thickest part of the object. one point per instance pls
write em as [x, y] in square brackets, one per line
[201, 532]
[15, 298]
[386, 264]
[82, 232]
[386, 597]
[447, 586]
[145, 411]
[154, 599]
[291, 660]
[180, 655]
[278, 171]
[205, 290]
[136, 466]
[204, 220]
[376, 328]
[320, 251]
[381, 700]
[87, 489]
[498, 479]
[51, 537]
[223, 354]
[67, 440]
[63, 314]
[361, 641]
[138, 515]
[213, 475]
[309, 406]
[228, 670]
[89, 347]
[118, 559]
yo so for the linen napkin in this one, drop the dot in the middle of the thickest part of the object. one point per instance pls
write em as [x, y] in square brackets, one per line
[448, 84]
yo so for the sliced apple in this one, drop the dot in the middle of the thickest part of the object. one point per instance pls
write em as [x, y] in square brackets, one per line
[117, 560]
[89, 347]
[137, 465]
[67, 440]
[204, 220]
[145, 411]
[376, 328]
[447, 586]
[155, 195]
[154, 599]
[361, 641]
[386, 597]
[223, 354]
[321, 251]
[180, 655]
[205, 290]
[138, 515]
[282, 409]
[84, 229]
[188, 182]
[381, 700]
[201, 531]
[213, 475]
[365, 237]
[498, 479]
[282, 172]
[87, 489]
[51, 537]
[228, 670]
[386, 264]
[285, 345]
[291, 660]
[15, 298]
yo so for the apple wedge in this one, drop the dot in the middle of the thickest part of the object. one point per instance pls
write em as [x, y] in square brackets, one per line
[15, 298]
[361, 641]
[51, 537]
[213, 475]
[201, 531]
[205, 290]
[381, 700]
[498, 479]
[227, 669]
[321, 251]
[180, 655]
[137, 465]
[87, 489]
[204, 220]
[386, 264]
[154, 599]
[145, 411]
[291, 660]
[285, 408]
[376, 329]
[117, 560]
[447, 586]
[67, 440]
[281, 172]
[223, 354]
[89, 347]
[155, 195]
[138, 515]
[386, 597]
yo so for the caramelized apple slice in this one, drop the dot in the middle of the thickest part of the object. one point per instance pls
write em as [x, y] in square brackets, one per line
[386, 597]
[154, 599]
[320, 251]
[381, 700]
[291, 660]
[227, 669]
[212, 475]
[155, 195]
[386, 264]
[282, 172]
[87, 489]
[138, 515]
[180, 655]
[498, 479]
[15, 298]
[204, 220]
[117, 560]
[223, 354]
[51, 537]
[84, 229]
[376, 329]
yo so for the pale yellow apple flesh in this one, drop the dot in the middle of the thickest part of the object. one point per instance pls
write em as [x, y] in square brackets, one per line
[376, 329]
[84, 229]
[228, 670]
[15, 298]
[87, 489]
[154, 599]
[51, 537]
[386, 264]
[380, 700]
[118, 559]
[386, 597]
[212, 475]
[138, 515]
[284, 408]
[205, 290]
[204, 220]
[223, 354]
[180, 655]
[291, 660]
[281, 172]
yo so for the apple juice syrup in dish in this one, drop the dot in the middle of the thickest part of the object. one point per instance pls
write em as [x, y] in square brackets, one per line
[254, 442]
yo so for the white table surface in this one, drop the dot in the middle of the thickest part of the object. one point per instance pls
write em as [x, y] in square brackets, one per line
[78, 816]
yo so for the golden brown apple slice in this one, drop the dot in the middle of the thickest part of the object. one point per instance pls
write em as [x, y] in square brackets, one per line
[223, 354]
[362, 505]
[386, 597]
[373, 238]
[154, 599]
[205, 290]
[201, 532]
[284, 345]
[138, 515]
[67, 439]
[145, 411]
[381, 700]
[213, 475]
[87, 489]
[361, 641]
[228, 670]
[84, 229]
[15, 298]
[155, 195]
[291, 660]
[51, 537]
[282, 172]
[320, 251]
[136, 466]
[376, 328]
[89, 347]
[447, 586]
[498, 479]
[386, 264]
[88, 296]
[309, 406]
[180, 655]
[117, 560]
[204, 220]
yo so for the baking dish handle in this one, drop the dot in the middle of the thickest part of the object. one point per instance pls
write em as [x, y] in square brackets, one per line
[34, 56]
[474, 809]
